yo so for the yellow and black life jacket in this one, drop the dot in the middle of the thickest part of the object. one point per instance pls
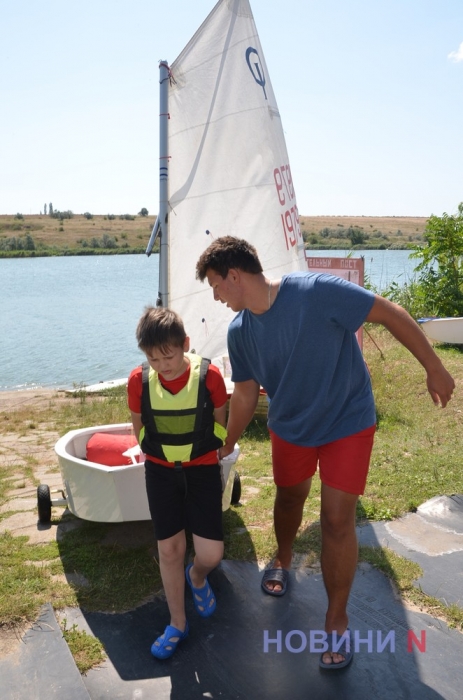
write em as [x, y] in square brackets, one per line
[179, 427]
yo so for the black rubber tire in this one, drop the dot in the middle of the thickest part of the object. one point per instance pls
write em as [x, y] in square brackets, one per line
[236, 490]
[44, 503]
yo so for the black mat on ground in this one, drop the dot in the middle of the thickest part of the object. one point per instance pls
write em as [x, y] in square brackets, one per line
[42, 668]
[258, 647]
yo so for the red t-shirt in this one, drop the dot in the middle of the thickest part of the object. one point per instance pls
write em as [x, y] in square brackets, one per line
[214, 384]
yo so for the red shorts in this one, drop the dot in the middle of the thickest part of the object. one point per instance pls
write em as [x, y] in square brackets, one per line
[343, 464]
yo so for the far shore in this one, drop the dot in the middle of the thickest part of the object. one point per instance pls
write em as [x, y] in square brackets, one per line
[34, 235]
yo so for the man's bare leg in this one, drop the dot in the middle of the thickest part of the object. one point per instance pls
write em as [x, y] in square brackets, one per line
[287, 517]
[338, 558]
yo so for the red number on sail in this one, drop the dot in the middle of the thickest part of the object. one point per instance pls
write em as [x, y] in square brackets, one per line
[279, 186]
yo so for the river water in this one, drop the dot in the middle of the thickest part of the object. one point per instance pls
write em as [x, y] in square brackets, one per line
[67, 321]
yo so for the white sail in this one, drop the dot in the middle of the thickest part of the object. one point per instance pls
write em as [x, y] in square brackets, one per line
[229, 170]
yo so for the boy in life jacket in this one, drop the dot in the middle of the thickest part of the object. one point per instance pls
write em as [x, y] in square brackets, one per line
[177, 402]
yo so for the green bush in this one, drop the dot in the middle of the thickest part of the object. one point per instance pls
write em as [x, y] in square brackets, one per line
[441, 267]
[21, 243]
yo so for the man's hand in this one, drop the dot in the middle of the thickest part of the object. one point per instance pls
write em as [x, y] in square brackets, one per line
[399, 322]
[224, 451]
[441, 386]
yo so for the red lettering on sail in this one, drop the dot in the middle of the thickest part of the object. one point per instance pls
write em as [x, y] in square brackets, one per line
[279, 186]
[286, 197]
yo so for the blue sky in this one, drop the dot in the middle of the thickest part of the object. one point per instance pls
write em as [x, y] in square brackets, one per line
[370, 93]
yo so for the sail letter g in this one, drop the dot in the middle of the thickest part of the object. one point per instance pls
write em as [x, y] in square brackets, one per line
[256, 69]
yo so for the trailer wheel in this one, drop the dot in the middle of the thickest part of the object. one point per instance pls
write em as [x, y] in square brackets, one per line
[44, 503]
[236, 490]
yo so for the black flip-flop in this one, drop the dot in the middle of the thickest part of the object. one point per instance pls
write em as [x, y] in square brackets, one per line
[280, 576]
[345, 649]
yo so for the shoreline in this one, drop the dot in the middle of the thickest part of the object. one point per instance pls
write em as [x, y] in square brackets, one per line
[88, 388]
[22, 254]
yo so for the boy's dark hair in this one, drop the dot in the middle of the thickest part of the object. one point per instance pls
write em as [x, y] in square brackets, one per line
[160, 328]
[226, 253]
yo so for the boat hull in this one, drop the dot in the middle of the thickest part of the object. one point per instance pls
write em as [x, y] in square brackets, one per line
[112, 494]
[443, 330]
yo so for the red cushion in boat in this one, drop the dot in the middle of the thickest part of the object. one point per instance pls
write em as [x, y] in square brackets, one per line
[107, 449]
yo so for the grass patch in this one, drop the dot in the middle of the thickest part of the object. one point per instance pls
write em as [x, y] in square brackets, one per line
[117, 578]
[417, 452]
[26, 581]
[66, 412]
[87, 650]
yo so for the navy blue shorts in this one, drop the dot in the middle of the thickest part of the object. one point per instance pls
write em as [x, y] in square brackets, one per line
[190, 500]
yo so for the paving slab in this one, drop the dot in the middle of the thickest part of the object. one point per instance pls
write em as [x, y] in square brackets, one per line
[41, 667]
[433, 538]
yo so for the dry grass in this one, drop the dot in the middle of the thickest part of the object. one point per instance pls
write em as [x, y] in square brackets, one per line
[389, 225]
[50, 232]
[66, 234]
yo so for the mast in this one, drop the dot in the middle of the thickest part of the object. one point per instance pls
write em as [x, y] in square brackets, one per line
[160, 227]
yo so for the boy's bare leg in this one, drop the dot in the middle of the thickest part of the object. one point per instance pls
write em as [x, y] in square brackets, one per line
[208, 555]
[339, 557]
[287, 517]
[171, 562]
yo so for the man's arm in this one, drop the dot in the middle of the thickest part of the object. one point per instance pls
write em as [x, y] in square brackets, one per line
[402, 326]
[243, 403]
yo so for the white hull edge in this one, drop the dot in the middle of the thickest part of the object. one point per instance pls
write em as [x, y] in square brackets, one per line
[443, 330]
[95, 388]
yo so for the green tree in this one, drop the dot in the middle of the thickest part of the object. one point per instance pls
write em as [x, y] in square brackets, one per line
[357, 237]
[441, 267]
[143, 212]
[29, 242]
[108, 241]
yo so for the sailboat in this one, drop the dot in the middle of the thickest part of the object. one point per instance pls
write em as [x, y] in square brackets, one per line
[224, 170]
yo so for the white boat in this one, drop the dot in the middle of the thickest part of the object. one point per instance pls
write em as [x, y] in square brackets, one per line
[443, 330]
[110, 494]
[224, 170]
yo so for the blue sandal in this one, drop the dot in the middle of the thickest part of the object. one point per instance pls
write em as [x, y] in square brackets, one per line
[203, 598]
[167, 643]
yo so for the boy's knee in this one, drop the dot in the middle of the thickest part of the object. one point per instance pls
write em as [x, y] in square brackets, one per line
[171, 552]
[210, 558]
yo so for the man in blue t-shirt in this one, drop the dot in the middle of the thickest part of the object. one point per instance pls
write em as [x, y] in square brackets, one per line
[295, 337]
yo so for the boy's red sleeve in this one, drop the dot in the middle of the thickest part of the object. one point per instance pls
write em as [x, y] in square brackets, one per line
[134, 390]
[216, 386]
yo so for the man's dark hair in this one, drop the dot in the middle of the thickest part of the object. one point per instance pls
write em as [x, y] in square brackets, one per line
[228, 253]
